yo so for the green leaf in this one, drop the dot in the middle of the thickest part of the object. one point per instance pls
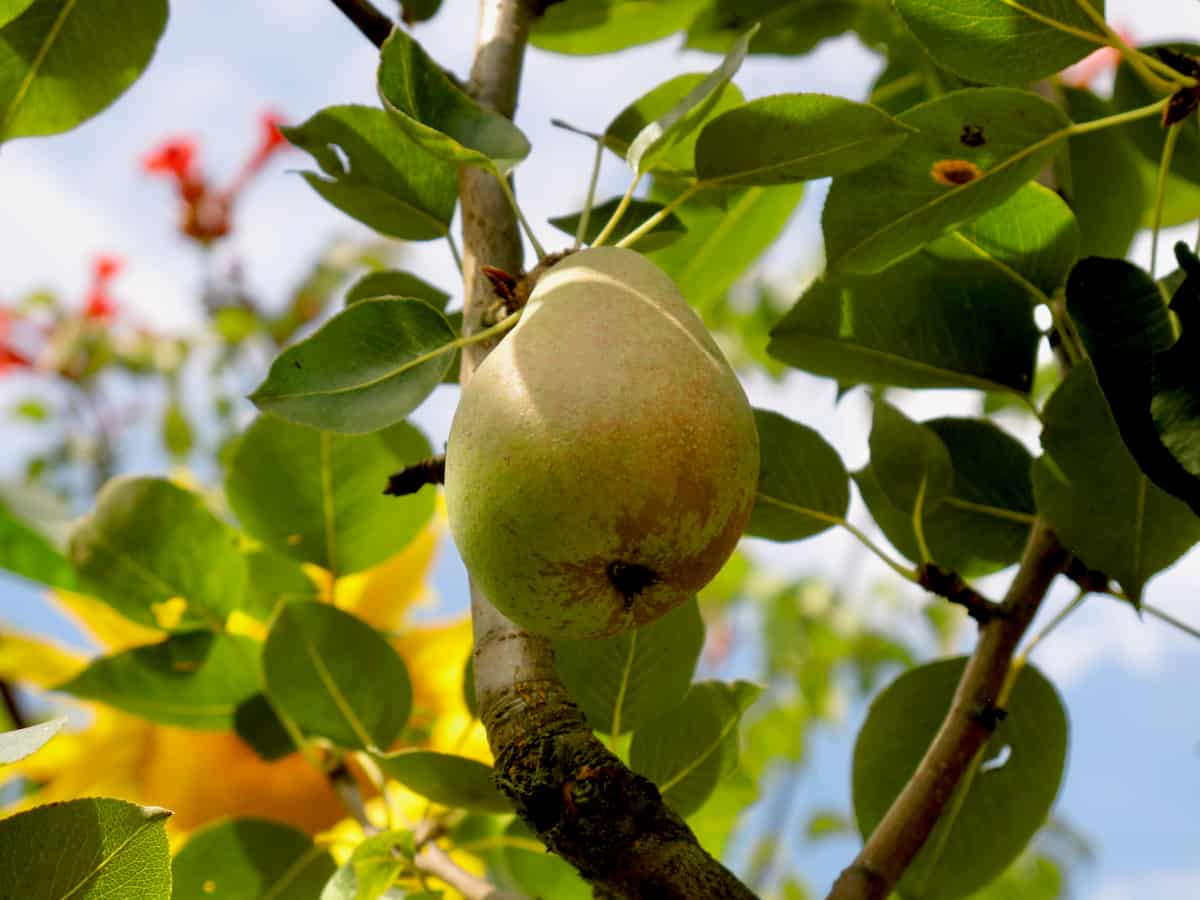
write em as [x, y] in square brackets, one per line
[686, 116]
[1001, 42]
[155, 553]
[1092, 493]
[803, 487]
[676, 160]
[26, 552]
[51, 78]
[725, 237]
[587, 27]
[788, 28]
[250, 858]
[973, 149]
[624, 682]
[438, 116]
[453, 781]
[256, 723]
[1105, 188]
[982, 524]
[1148, 135]
[272, 580]
[10, 9]
[92, 849]
[366, 368]
[1007, 799]
[371, 869]
[667, 231]
[23, 742]
[977, 283]
[336, 676]
[374, 173]
[794, 137]
[194, 680]
[392, 285]
[318, 497]
[412, 11]
[687, 751]
[912, 465]
[1149, 377]
[177, 434]
[522, 863]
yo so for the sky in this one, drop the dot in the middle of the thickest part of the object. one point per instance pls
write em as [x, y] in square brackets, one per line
[1132, 783]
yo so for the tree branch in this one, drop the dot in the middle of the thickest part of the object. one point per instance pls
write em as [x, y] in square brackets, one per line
[584, 803]
[969, 723]
[374, 25]
[951, 585]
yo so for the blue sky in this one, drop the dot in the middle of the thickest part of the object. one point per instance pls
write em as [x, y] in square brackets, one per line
[1132, 782]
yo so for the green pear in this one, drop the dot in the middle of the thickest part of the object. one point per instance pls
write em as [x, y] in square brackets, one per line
[603, 459]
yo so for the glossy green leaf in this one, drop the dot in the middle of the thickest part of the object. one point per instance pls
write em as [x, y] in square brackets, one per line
[726, 234]
[1105, 188]
[22, 742]
[177, 434]
[194, 680]
[438, 116]
[257, 723]
[1001, 42]
[789, 27]
[154, 552]
[366, 368]
[336, 676]
[585, 27]
[318, 497]
[687, 751]
[624, 682]
[91, 849]
[1091, 492]
[412, 11]
[453, 781]
[972, 150]
[667, 231]
[273, 579]
[394, 285]
[51, 78]
[250, 858]
[803, 487]
[373, 172]
[522, 863]
[794, 137]
[676, 157]
[688, 114]
[1148, 135]
[371, 869]
[10, 9]
[1007, 799]
[26, 552]
[983, 523]
[912, 465]
[1150, 379]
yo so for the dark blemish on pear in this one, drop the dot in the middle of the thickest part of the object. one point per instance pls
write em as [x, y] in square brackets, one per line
[972, 136]
[630, 579]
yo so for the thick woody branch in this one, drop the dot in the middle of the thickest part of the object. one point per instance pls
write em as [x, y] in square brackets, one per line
[972, 718]
[373, 24]
[584, 803]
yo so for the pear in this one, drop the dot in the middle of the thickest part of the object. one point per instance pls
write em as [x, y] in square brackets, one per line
[603, 460]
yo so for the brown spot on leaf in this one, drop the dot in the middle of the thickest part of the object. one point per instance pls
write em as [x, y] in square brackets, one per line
[972, 136]
[955, 172]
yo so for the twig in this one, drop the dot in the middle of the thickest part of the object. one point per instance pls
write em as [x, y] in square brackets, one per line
[951, 585]
[412, 478]
[374, 25]
[346, 787]
[12, 706]
[433, 860]
[584, 803]
[969, 723]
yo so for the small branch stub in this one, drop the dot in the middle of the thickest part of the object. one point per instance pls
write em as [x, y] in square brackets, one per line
[951, 585]
[412, 478]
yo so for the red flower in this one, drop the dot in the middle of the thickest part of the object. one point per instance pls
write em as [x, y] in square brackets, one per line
[174, 156]
[11, 359]
[99, 305]
[272, 138]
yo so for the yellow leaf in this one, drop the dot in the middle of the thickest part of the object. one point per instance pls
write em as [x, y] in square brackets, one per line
[241, 624]
[37, 662]
[102, 623]
[169, 612]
